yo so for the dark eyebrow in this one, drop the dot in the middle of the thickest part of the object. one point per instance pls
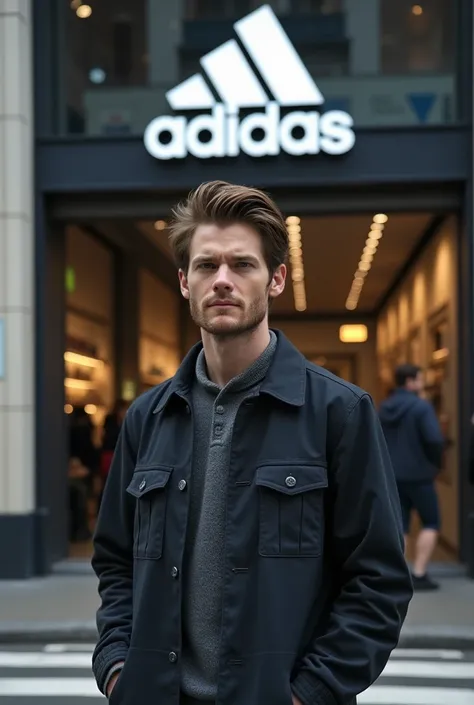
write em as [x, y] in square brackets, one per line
[235, 256]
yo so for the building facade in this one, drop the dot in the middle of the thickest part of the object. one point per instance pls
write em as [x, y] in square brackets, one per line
[346, 111]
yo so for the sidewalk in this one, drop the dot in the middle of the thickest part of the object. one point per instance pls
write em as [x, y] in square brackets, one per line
[62, 608]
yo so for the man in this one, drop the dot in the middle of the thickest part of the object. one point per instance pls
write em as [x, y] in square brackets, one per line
[415, 443]
[249, 546]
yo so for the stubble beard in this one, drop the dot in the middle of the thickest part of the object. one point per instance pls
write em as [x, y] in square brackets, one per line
[255, 314]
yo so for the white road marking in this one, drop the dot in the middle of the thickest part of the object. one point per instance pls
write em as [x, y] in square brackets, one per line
[448, 654]
[429, 669]
[50, 687]
[400, 695]
[61, 648]
[39, 659]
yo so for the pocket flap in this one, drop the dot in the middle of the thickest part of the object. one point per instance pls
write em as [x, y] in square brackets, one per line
[292, 479]
[144, 481]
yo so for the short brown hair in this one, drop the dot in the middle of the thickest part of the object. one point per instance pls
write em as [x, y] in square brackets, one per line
[223, 203]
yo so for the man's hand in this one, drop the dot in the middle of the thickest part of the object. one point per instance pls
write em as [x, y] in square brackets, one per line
[112, 682]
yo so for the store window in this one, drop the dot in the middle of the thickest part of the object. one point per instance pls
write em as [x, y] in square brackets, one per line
[385, 62]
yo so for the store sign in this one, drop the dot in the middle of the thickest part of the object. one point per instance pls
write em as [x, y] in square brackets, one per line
[222, 132]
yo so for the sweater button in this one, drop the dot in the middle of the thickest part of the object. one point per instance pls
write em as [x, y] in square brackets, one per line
[172, 657]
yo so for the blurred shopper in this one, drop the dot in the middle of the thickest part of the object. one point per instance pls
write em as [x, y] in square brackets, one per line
[249, 546]
[82, 470]
[78, 504]
[112, 425]
[416, 443]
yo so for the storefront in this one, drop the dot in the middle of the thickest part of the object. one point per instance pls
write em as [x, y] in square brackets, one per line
[377, 119]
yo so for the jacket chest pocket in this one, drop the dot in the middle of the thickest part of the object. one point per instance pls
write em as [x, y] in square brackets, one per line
[291, 509]
[149, 489]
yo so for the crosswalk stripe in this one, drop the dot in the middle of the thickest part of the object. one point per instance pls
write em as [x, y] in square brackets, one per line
[448, 654]
[402, 695]
[429, 669]
[60, 648]
[38, 659]
[376, 695]
[50, 687]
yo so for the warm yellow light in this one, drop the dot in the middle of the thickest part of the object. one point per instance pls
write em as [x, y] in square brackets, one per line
[380, 218]
[84, 11]
[293, 220]
[366, 257]
[369, 250]
[90, 409]
[417, 10]
[364, 266]
[351, 305]
[83, 360]
[160, 225]
[78, 383]
[353, 333]
[68, 408]
[360, 274]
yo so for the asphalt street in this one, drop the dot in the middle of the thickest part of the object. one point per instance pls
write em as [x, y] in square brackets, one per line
[60, 674]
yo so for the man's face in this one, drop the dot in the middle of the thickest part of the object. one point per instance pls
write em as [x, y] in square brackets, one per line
[416, 384]
[228, 283]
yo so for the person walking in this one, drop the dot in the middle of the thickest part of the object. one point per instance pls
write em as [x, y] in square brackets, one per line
[415, 443]
[249, 546]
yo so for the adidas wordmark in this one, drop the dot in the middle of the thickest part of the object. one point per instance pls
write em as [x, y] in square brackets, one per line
[235, 82]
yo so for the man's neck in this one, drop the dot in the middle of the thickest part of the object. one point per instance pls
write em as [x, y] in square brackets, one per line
[227, 357]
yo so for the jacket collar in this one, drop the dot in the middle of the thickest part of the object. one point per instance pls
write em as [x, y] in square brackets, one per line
[285, 379]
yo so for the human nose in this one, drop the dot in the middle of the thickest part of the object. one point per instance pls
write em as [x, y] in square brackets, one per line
[223, 281]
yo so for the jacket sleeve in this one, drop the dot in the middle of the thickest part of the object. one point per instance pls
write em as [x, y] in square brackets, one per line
[371, 578]
[112, 559]
[431, 434]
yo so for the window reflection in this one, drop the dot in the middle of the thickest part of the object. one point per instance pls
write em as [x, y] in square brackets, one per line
[388, 62]
[417, 37]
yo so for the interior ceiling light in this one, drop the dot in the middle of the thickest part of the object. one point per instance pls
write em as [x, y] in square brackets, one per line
[84, 11]
[353, 333]
[365, 263]
[160, 225]
[417, 10]
[296, 261]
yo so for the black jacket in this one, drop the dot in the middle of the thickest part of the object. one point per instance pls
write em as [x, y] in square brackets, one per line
[317, 586]
[413, 436]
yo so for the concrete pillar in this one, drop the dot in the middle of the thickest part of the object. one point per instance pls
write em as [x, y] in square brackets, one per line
[17, 466]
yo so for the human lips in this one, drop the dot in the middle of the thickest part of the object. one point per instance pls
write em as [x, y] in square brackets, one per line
[223, 303]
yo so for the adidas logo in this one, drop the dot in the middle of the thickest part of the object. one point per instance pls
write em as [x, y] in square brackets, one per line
[220, 132]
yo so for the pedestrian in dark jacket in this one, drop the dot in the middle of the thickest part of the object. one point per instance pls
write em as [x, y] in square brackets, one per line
[249, 546]
[415, 443]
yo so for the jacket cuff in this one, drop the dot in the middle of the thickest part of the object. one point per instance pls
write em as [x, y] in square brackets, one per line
[107, 657]
[115, 668]
[312, 691]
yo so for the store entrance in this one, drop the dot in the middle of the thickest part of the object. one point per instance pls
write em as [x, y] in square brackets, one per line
[365, 292]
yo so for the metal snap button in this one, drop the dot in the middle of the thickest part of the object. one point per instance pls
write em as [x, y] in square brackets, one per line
[172, 657]
[182, 485]
[174, 572]
[142, 485]
[290, 481]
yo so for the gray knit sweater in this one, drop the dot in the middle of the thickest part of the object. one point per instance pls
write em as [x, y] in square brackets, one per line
[214, 412]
